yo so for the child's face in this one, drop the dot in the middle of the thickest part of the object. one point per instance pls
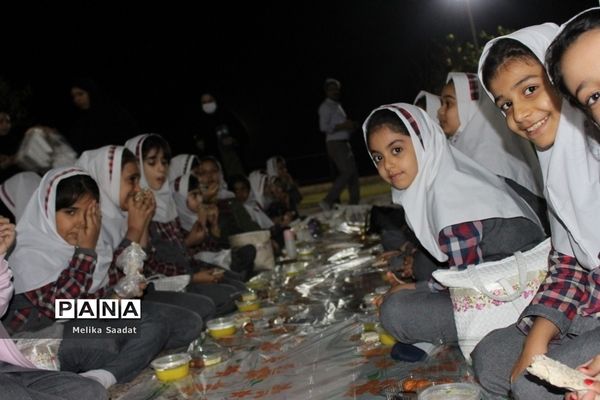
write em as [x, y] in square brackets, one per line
[394, 156]
[81, 98]
[241, 191]
[130, 183]
[156, 168]
[281, 168]
[71, 219]
[448, 111]
[194, 200]
[581, 71]
[521, 89]
[208, 173]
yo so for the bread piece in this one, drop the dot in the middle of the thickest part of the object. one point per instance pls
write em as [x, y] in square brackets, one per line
[557, 374]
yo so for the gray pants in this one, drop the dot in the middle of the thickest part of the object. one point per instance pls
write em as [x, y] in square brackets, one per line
[162, 326]
[197, 303]
[413, 316]
[20, 383]
[341, 154]
[495, 356]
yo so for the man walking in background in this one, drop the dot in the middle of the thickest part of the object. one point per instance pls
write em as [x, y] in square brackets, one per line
[338, 128]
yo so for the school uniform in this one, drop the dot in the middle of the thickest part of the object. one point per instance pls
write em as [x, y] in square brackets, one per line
[484, 136]
[170, 255]
[104, 165]
[46, 268]
[462, 214]
[570, 295]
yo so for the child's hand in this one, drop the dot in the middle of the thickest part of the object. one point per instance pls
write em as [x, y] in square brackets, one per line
[7, 234]
[206, 276]
[196, 236]
[212, 215]
[592, 369]
[209, 195]
[139, 213]
[87, 237]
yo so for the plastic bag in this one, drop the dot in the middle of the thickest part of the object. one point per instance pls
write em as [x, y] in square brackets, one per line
[43, 148]
[131, 262]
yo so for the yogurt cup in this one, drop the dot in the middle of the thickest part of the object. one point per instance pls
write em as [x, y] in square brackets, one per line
[172, 367]
[451, 391]
[221, 327]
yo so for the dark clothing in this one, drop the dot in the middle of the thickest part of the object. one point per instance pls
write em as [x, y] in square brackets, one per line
[211, 134]
[234, 219]
[101, 125]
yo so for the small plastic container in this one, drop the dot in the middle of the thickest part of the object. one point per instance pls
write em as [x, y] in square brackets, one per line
[385, 338]
[248, 296]
[172, 367]
[221, 327]
[294, 268]
[451, 391]
[247, 306]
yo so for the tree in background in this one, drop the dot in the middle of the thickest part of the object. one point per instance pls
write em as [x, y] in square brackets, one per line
[452, 55]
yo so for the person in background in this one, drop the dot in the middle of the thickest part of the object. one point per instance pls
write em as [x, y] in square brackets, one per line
[337, 128]
[15, 193]
[429, 102]
[98, 120]
[277, 168]
[217, 131]
[9, 144]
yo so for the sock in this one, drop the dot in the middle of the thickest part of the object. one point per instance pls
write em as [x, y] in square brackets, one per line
[102, 376]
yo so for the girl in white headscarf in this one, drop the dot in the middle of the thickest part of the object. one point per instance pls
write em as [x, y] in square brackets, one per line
[459, 211]
[475, 128]
[16, 191]
[277, 168]
[429, 102]
[182, 164]
[60, 255]
[173, 249]
[233, 218]
[257, 201]
[563, 317]
[572, 61]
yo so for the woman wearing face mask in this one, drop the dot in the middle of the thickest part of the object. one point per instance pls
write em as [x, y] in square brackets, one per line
[216, 131]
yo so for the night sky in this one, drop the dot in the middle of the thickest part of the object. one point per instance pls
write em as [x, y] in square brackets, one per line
[266, 61]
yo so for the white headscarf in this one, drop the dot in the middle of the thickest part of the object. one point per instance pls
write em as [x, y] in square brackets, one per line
[180, 188]
[16, 191]
[224, 192]
[181, 164]
[449, 188]
[571, 172]
[256, 202]
[432, 103]
[166, 211]
[41, 253]
[104, 165]
[484, 136]
[272, 166]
